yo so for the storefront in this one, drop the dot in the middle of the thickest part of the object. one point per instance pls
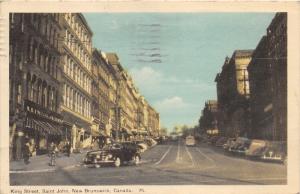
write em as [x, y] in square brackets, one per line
[39, 127]
[41, 132]
[80, 131]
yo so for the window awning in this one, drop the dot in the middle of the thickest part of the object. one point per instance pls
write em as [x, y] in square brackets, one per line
[99, 133]
[134, 131]
[46, 127]
[143, 132]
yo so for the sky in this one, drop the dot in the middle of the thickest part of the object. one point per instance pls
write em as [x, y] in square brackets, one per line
[173, 58]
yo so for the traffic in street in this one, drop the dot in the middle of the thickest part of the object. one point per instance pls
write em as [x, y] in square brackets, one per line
[168, 163]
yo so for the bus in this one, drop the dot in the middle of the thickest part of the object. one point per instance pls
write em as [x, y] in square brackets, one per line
[190, 140]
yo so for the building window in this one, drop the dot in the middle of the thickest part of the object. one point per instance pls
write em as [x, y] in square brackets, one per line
[80, 105]
[46, 64]
[50, 65]
[54, 100]
[49, 98]
[35, 54]
[11, 50]
[55, 71]
[71, 69]
[76, 102]
[65, 94]
[19, 94]
[34, 92]
[74, 98]
[71, 98]
[44, 96]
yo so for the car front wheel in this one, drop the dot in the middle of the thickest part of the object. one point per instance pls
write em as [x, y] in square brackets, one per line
[137, 159]
[117, 162]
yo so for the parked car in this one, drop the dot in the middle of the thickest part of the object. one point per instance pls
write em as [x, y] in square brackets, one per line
[221, 141]
[213, 140]
[150, 142]
[274, 151]
[229, 143]
[190, 141]
[240, 146]
[143, 145]
[256, 149]
[115, 154]
[161, 139]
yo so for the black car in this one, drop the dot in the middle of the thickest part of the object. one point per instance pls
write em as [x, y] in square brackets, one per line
[115, 154]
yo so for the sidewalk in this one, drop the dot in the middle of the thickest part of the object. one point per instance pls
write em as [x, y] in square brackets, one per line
[41, 163]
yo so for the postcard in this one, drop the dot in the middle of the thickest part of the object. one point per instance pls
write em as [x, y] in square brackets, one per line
[149, 97]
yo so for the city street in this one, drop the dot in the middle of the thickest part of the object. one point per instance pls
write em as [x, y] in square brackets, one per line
[168, 164]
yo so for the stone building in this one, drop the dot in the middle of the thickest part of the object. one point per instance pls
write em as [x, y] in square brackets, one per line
[34, 81]
[104, 86]
[153, 122]
[233, 94]
[208, 121]
[268, 83]
[77, 79]
[136, 107]
[95, 108]
[141, 117]
[115, 94]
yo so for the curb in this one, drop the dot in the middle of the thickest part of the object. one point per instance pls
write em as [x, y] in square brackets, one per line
[31, 171]
[43, 170]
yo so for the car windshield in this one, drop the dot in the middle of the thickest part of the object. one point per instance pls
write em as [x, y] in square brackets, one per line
[111, 146]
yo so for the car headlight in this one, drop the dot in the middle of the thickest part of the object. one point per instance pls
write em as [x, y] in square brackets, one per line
[109, 156]
[97, 156]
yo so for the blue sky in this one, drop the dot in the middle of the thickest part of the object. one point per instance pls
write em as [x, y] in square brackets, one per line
[174, 57]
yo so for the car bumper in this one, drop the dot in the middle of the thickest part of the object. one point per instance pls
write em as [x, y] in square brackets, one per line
[97, 161]
[274, 158]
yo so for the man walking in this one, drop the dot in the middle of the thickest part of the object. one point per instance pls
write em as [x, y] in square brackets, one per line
[26, 152]
[68, 148]
[52, 153]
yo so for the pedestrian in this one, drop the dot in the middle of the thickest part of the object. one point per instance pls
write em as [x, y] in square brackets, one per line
[52, 153]
[68, 147]
[26, 154]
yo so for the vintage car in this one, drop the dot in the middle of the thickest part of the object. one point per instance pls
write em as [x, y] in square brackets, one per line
[229, 143]
[256, 149]
[240, 146]
[274, 151]
[221, 141]
[115, 154]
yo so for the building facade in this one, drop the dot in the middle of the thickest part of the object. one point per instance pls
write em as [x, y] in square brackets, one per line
[34, 81]
[77, 79]
[95, 108]
[116, 94]
[153, 122]
[208, 121]
[103, 98]
[233, 95]
[268, 83]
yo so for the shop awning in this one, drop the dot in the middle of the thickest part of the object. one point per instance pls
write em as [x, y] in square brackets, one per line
[46, 127]
[99, 133]
[134, 131]
[143, 132]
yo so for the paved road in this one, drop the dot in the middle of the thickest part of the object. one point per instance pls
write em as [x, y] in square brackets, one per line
[169, 164]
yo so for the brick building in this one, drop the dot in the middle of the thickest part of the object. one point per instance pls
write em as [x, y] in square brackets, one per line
[268, 83]
[34, 81]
